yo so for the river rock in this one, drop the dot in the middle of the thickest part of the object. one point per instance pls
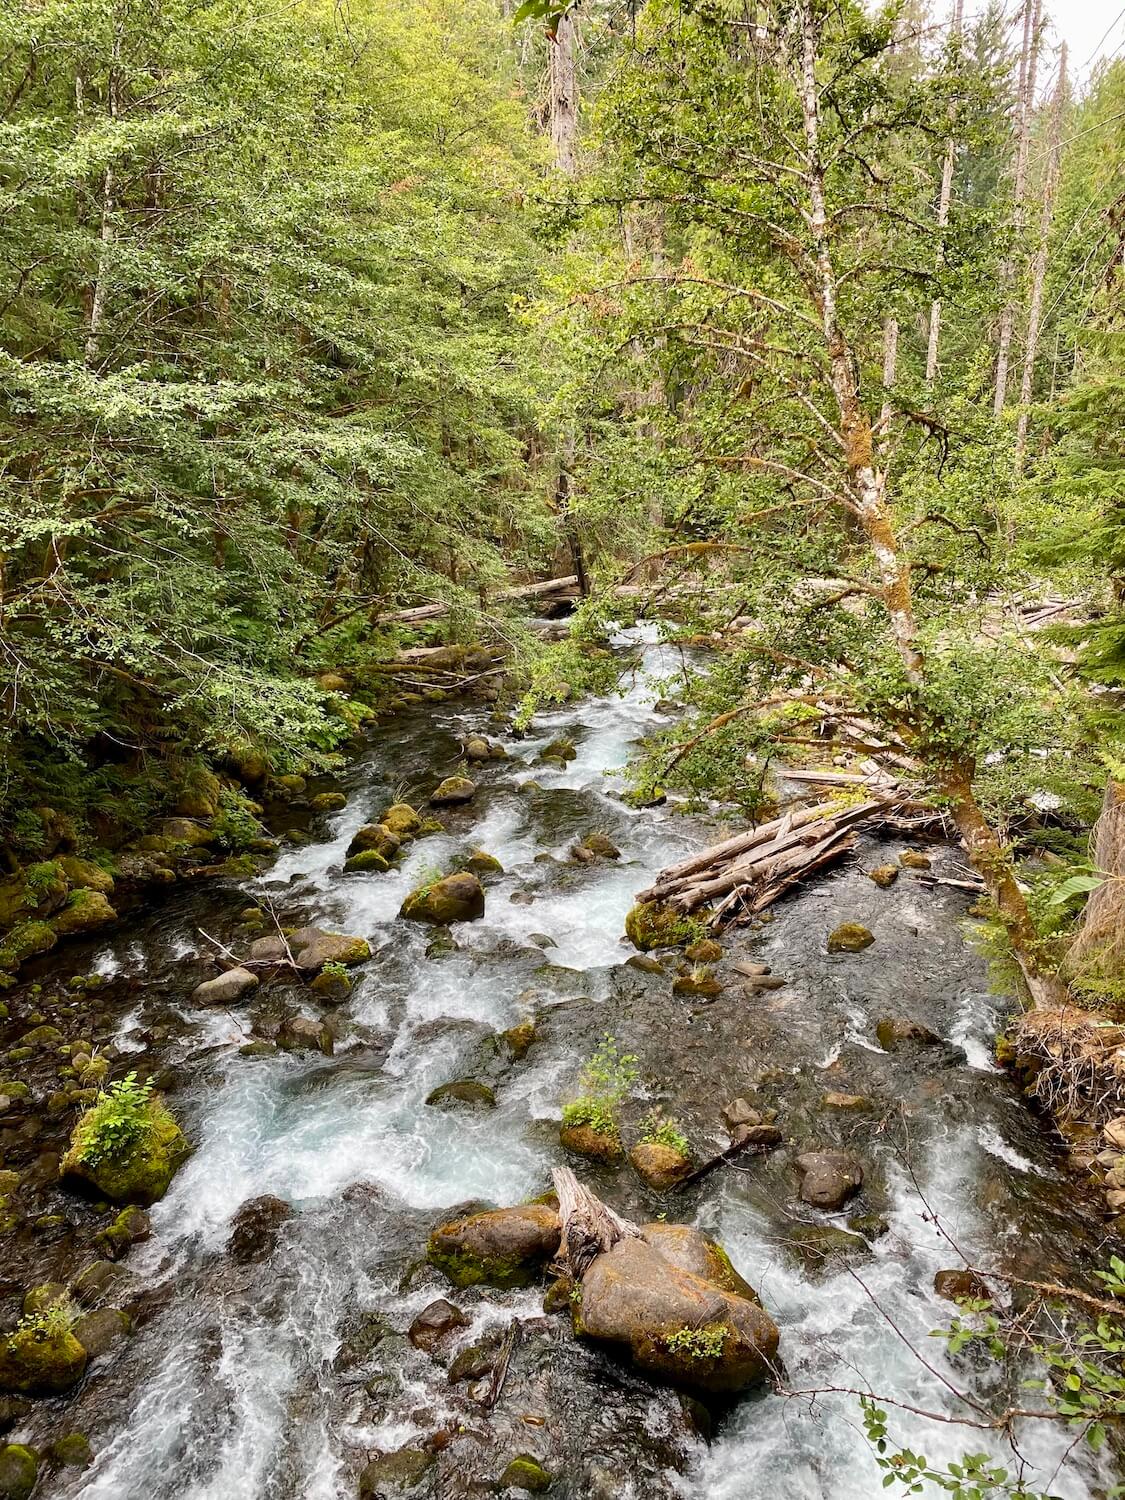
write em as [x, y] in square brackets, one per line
[325, 802]
[891, 1031]
[226, 989]
[313, 948]
[674, 1323]
[961, 1286]
[560, 750]
[131, 1226]
[100, 1331]
[98, 1284]
[271, 949]
[85, 911]
[477, 748]
[375, 838]
[401, 820]
[70, 1451]
[740, 1112]
[455, 898]
[883, 875]
[33, 1363]
[462, 1093]
[704, 951]
[829, 1178]
[434, 1324]
[850, 937]
[911, 859]
[18, 1469]
[255, 1228]
[856, 1102]
[661, 1166]
[765, 1135]
[139, 1175]
[698, 984]
[302, 1034]
[503, 1247]
[369, 859]
[526, 1473]
[391, 1474]
[691, 1250]
[473, 1363]
[598, 846]
[454, 791]
[595, 1145]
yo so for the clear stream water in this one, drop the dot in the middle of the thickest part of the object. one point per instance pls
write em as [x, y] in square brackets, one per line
[246, 1382]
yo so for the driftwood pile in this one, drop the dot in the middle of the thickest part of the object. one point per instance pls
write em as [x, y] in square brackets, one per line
[747, 873]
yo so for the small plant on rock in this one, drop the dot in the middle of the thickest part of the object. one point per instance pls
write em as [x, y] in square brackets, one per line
[119, 1119]
[658, 1130]
[606, 1080]
[335, 970]
[698, 1343]
[54, 1321]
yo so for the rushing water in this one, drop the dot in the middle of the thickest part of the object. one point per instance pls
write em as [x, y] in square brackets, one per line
[244, 1380]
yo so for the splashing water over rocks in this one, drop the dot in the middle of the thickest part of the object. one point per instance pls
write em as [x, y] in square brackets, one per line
[281, 1373]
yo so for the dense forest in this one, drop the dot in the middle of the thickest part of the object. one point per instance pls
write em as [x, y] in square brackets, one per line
[340, 342]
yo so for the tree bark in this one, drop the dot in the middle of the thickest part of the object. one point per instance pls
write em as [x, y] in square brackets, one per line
[105, 235]
[563, 89]
[1029, 56]
[1039, 272]
[944, 198]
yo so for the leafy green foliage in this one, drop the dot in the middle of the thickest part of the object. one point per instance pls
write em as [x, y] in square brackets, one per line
[658, 1130]
[698, 1343]
[119, 1119]
[52, 1321]
[604, 1081]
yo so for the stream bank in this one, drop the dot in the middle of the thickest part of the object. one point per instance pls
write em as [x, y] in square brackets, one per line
[278, 1362]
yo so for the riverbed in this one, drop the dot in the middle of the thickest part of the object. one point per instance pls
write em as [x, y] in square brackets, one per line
[280, 1377]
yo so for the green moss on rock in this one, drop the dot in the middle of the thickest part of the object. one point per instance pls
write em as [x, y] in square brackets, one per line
[651, 925]
[35, 1362]
[366, 859]
[85, 911]
[850, 937]
[526, 1473]
[145, 1170]
[18, 1468]
[24, 942]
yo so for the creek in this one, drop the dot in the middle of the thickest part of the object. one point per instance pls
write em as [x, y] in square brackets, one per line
[255, 1381]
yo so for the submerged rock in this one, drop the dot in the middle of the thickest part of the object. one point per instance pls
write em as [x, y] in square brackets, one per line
[891, 1031]
[526, 1473]
[503, 1247]
[675, 1324]
[141, 1174]
[454, 791]
[661, 1166]
[35, 1362]
[393, 1473]
[820, 1246]
[829, 1178]
[455, 898]
[850, 937]
[464, 1093]
[226, 989]
[255, 1228]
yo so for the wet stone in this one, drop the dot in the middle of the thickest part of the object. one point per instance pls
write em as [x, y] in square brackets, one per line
[892, 1031]
[463, 1093]
[255, 1229]
[101, 1331]
[393, 1474]
[961, 1286]
[829, 1178]
[850, 937]
[18, 1469]
[527, 1474]
[436, 1323]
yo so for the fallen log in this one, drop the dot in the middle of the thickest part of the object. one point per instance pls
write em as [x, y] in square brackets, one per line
[442, 607]
[589, 1226]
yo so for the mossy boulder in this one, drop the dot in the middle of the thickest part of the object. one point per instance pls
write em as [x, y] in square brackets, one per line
[331, 986]
[130, 1227]
[596, 846]
[653, 925]
[462, 1093]
[375, 838]
[561, 750]
[675, 1324]
[661, 1166]
[454, 791]
[102, 1330]
[850, 937]
[326, 802]
[504, 1247]
[691, 1250]
[528, 1474]
[143, 1172]
[85, 911]
[200, 794]
[25, 941]
[596, 1145]
[393, 1473]
[34, 1362]
[883, 875]
[480, 862]
[366, 861]
[401, 820]
[517, 1041]
[18, 1469]
[455, 898]
[71, 1451]
[704, 951]
[893, 1031]
[312, 948]
[701, 983]
[85, 873]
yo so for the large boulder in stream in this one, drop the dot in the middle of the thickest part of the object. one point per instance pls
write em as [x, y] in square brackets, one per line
[652, 925]
[454, 791]
[139, 1173]
[674, 1323]
[504, 1247]
[18, 1469]
[829, 1178]
[454, 898]
[37, 1362]
[313, 948]
[226, 988]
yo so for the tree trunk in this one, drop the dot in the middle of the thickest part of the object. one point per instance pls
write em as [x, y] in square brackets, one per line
[1039, 273]
[942, 221]
[105, 236]
[1029, 55]
[563, 90]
